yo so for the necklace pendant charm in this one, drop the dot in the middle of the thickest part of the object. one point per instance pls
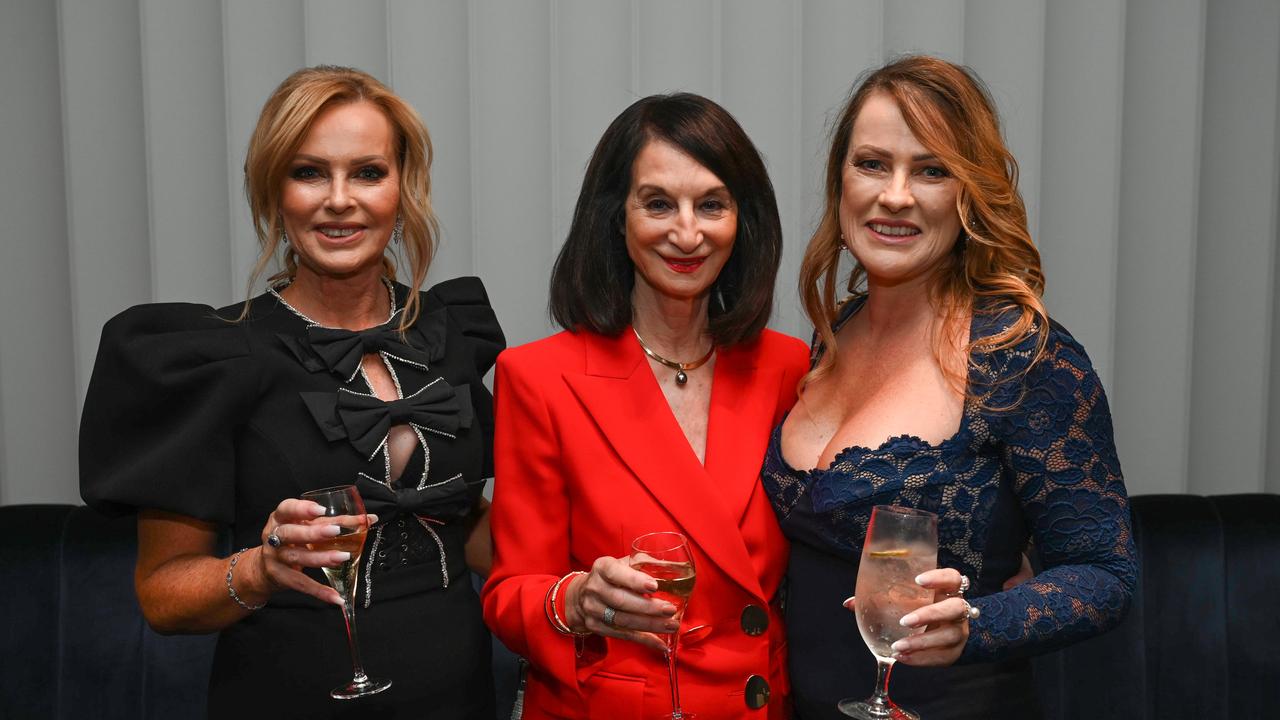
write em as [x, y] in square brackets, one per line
[682, 377]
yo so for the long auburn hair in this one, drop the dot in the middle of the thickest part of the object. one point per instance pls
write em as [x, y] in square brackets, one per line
[283, 125]
[994, 266]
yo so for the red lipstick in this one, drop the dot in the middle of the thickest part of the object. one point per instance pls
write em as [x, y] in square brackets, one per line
[687, 265]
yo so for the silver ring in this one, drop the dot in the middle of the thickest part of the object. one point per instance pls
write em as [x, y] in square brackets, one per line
[970, 612]
[964, 585]
[608, 615]
[273, 539]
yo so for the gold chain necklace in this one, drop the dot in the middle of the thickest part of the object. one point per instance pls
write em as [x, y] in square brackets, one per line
[679, 367]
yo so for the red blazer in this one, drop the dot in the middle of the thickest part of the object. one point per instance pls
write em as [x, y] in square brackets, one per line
[587, 456]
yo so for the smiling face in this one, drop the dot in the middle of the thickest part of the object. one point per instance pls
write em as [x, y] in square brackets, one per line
[342, 192]
[897, 204]
[681, 222]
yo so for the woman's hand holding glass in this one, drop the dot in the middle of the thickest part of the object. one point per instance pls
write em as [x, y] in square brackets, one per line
[900, 548]
[945, 622]
[614, 585]
[292, 525]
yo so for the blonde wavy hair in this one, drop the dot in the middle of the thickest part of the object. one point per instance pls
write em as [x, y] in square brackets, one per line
[283, 125]
[994, 260]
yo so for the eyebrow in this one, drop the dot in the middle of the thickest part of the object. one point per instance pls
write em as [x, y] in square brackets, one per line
[648, 187]
[882, 151]
[322, 161]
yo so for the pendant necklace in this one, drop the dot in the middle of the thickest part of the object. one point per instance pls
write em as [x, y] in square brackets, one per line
[680, 367]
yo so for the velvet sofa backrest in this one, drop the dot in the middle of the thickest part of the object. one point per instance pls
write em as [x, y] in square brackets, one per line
[1202, 638]
[74, 640]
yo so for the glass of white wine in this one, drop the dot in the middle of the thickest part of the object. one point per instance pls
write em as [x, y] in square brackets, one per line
[901, 543]
[665, 557]
[344, 507]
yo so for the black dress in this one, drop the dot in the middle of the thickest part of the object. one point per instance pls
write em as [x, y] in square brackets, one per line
[1041, 465]
[191, 412]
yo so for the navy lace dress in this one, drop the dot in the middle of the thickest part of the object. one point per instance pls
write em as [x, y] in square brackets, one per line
[1045, 472]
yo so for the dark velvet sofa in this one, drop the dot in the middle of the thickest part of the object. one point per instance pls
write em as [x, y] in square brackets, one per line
[1202, 639]
[75, 644]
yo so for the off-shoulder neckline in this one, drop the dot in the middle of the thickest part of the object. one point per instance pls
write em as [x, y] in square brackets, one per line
[848, 308]
[890, 445]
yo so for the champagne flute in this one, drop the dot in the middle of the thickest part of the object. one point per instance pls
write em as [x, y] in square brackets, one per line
[665, 557]
[344, 507]
[901, 543]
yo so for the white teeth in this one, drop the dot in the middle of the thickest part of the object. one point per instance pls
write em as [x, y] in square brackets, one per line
[338, 232]
[896, 230]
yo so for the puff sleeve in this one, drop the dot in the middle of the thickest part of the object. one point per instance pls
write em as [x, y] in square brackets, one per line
[466, 304]
[170, 385]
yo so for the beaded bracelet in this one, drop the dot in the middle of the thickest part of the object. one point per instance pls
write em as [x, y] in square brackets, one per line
[553, 613]
[231, 589]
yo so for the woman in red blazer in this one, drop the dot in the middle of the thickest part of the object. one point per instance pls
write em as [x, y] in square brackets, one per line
[650, 412]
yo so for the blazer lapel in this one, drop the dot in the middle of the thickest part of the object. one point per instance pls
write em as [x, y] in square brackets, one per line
[743, 404]
[626, 403]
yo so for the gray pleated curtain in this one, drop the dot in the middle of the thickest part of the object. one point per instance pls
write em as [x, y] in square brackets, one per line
[1146, 132]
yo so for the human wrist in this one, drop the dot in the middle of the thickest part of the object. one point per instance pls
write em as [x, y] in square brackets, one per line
[242, 592]
[572, 591]
[257, 580]
[556, 605]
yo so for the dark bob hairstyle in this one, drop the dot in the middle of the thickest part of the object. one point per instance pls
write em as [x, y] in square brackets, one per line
[593, 276]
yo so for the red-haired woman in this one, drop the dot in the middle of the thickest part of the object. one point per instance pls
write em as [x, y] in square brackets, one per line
[942, 384]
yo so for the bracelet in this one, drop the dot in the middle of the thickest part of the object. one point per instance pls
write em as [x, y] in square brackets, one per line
[553, 613]
[231, 589]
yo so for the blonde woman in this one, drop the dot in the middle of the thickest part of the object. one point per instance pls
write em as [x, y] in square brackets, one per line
[205, 421]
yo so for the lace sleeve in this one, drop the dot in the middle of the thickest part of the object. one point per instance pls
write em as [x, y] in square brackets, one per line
[1059, 449]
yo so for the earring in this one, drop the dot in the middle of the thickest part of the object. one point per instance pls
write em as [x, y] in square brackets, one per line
[284, 237]
[397, 234]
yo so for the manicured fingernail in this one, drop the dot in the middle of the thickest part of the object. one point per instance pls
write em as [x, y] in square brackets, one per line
[317, 509]
[342, 555]
[848, 601]
[373, 519]
[918, 580]
[901, 646]
[332, 530]
[650, 585]
[672, 625]
[668, 608]
[908, 620]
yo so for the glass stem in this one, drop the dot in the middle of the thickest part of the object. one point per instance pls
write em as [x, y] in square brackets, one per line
[880, 699]
[676, 714]
[349, 615]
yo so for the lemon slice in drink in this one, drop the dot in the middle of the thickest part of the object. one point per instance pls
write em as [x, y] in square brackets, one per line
[895, 553]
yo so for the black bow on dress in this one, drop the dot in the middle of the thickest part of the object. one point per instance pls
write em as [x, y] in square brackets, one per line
[448, 500]
[365, 419]
[341, 350]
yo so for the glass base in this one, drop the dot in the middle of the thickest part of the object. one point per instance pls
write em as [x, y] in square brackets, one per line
[682, 715]
[865, 710]
[352, 690]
